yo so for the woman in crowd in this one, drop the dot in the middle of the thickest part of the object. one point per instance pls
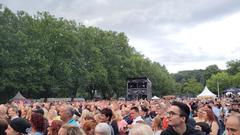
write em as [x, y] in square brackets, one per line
[89, 127]
[199, 117]
[55, 126]
[70, 130]
[37, 123]
[102, 129]
[210, 119]
[157, 125]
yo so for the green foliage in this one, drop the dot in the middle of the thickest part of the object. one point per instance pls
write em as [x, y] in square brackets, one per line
[192, 87]
[233, 67]
[223, 80]
[44, 56]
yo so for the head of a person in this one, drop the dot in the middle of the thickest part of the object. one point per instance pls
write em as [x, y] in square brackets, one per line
[204, 127]
[157, 123]
[66, 112]
[12, 111]
[200, 112]
[3, 111]
[3, 126]
[102, 129]
[18, 126]
[54, 127]
[144, 111]
[37, 122]
[208, 115]
[134, 112]
[233, 124]
[89, 127]
[106, 115]
[178, 114]
[140, 129]
[70, 130]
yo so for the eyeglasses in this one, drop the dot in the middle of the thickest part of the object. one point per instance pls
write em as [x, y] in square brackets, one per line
[169, 114]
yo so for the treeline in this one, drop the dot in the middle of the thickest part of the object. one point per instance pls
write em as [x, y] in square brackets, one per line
[44, 56]
[192, 82]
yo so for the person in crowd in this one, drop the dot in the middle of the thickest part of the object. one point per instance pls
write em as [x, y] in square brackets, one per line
[140, 129]
[145, 115]
[199, 117]
[18, 126]
[3, 126]
[135, 116]
[233, 125]
[13, 112]
[3, 112]
[122, 124]
[102, 129]
[66, 114]
[54, 127]
[157, 125]
[211, 120]
[178, 115]
[204, 127]
[37, 124]
[89, 127]
[68, 129]
[52, 115]
[106, 117]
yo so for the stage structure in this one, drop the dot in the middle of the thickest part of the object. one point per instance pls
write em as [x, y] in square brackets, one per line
[139, 88]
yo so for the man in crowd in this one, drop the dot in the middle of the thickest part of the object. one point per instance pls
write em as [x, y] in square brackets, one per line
[233, 125]
[13, 112]
[178, 115]
[134, 114]
[66, 115]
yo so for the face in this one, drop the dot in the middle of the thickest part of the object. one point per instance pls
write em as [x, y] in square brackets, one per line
[11, 131]
[174, 118]
[200, 112]
[62, 131]
[103, 118]
[232, 126]
[63, 114]
[11, 112]
[133, 114]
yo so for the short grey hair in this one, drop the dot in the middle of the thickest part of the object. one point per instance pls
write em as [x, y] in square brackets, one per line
[103, 128]
[141, 129]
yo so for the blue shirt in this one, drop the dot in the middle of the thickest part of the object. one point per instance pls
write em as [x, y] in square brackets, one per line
[73, 123]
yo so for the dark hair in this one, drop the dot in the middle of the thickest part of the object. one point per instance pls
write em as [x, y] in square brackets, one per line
[108, 113]
[135, 109]
[3, 126]
[37, 122]
[184, 109]
[205, 127]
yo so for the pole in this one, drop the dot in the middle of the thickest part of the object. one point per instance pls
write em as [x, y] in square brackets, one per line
[218, 88]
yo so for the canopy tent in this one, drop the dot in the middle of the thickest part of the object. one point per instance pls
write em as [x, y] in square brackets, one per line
[18, 96]
[155, 97]
[206, 93]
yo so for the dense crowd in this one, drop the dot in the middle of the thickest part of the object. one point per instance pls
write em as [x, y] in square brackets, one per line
[140, 117]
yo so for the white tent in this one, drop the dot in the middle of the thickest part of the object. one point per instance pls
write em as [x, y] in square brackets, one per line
[18, 96]
[206, 93]
[155, 97]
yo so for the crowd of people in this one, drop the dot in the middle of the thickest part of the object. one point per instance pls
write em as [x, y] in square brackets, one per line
[138, 117]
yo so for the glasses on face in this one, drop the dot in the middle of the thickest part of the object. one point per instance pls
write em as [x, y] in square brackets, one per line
[171, 113]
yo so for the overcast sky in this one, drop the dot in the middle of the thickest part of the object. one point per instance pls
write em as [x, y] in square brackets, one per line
[180, 34]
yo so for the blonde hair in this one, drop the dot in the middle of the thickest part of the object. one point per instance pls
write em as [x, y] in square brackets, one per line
[141, 129]
[73, 130]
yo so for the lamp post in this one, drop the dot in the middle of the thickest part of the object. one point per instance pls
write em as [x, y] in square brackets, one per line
[218, 88]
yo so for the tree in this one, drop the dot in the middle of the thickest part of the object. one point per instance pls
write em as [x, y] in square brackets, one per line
[192, 87]
[233, 67]
[211, 70]
[223, 79]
